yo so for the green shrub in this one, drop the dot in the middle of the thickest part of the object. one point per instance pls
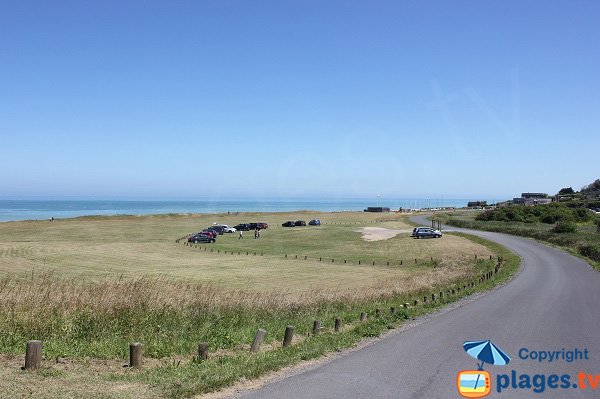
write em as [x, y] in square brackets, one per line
[592, 251]
[565, 227]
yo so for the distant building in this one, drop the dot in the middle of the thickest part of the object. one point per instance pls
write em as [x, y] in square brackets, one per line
[532, 199]
[377, 209]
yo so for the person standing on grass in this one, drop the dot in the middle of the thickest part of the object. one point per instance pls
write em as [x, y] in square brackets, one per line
[255, 233]
[241, 235]
[258, 232]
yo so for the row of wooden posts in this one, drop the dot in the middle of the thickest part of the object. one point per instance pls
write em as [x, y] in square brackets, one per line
[33, 349]
[321, 259]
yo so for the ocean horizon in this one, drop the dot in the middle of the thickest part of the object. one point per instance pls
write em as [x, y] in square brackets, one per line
[18, 210]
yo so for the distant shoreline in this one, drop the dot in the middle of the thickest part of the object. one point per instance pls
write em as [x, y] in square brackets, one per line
[22, 210]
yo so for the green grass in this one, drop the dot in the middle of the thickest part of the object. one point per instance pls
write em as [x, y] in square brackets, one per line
[584, 242]
[215, 298]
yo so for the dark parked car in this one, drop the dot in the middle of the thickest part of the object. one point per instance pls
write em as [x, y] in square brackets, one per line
[315, 222]
[262, 225]
[300, 223]
[422, 232]
[253, 226]
[219, 229]
[243, 227]
[202, 237]
[213, 233]
[288, 224]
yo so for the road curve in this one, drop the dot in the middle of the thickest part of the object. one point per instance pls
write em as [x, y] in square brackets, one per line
[551, 305]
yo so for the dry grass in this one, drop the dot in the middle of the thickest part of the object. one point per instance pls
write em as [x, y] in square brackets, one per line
[144, 246]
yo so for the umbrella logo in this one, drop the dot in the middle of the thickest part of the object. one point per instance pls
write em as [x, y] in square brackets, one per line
[477, 383]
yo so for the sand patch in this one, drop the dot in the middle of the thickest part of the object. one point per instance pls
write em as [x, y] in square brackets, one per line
[380, 233]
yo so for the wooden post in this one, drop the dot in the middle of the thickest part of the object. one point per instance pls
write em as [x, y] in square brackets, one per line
[377, 312]
[359, 262]
[338, 324]
[432, 297]
[416, 302]
[316, 327]
[405, 305]
[393, 311]
[258, 338]
[135, 355]
[203, 351]
[33, 355]
[400, 262]
[373, 263]
[287, 337]
[363, 316]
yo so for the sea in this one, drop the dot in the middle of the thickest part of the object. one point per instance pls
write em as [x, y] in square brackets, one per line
[16, 210]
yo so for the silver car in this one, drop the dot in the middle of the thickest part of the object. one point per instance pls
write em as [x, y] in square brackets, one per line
[423, 232]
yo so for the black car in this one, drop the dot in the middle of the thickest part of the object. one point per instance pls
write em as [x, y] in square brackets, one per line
[300, 223]
[219, 229]
[315, 222]
[201, 237]
[253, 226]
[288, 224]
[243, 227]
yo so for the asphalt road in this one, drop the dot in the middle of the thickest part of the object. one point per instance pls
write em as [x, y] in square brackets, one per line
[551, 305]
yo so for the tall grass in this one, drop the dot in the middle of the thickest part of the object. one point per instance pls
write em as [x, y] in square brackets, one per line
[78, 318]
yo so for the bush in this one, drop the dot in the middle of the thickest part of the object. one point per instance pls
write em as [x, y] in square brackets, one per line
[591, 251]
[564, 227]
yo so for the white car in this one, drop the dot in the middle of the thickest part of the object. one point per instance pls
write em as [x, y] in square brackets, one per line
[226, 228]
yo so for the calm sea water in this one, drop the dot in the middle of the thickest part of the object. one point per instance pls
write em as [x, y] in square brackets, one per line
[13, 210]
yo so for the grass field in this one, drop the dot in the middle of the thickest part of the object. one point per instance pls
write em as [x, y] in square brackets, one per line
[87, 287]
[145, 246]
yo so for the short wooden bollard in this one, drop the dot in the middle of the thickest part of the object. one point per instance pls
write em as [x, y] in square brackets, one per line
[453, 292]
[135, 355]
[400, 262]
[305, 258]
[441, 294]
[405, 305]
[424, 299]
[296, 256]
[387, 263]
[416, 302]
[288, 336]
[258, 339]
[415, 261]
[393, 311]
[359, 262]
[33, 355]
[432, 297]
[377, 312]
[344, 260]
[363, 316]
[203, 351]
[332, 260]
[316, 327]
[320, 259]
[338, 324]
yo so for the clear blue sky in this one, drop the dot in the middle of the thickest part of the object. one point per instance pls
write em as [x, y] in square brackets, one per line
[192, 99]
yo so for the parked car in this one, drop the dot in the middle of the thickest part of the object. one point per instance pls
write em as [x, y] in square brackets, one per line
[262, 225]
[213, 233]
[219, 229]
[243, 227]
[202, 237]
[315, 222]
[253, 226]
[227, 228]
[422, 232]
[289, 223]
[300, 223]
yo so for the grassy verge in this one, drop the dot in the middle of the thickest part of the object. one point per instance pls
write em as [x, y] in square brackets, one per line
[583, 242]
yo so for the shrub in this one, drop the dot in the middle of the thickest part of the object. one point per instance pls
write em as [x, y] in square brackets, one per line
[565, 227]
[591, 251]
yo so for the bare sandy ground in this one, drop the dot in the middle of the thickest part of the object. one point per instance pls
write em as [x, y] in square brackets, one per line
[380, 233]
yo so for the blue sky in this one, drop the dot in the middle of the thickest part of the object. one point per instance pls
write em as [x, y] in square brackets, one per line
[304, 99]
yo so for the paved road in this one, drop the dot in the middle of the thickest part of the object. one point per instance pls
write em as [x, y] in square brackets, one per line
[552, 304]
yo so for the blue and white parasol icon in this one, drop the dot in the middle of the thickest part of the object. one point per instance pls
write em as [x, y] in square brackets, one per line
[487, 352]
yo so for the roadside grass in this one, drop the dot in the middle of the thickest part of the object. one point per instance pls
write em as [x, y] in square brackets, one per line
[583, 243]
[90, 318]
